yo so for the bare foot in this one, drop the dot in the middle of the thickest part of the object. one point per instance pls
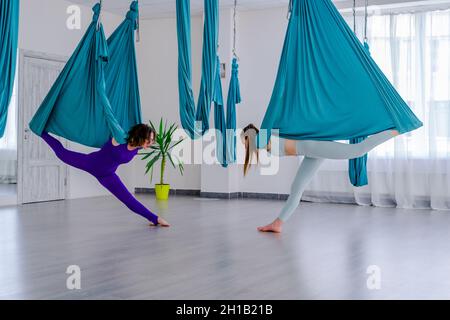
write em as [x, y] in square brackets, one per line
[395, 133]
[275, 227]
[163, 223]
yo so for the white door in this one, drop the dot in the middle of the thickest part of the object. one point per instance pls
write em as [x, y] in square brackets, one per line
[41, 176]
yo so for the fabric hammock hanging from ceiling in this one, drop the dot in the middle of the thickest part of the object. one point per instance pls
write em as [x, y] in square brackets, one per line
[96, 96]
[233, 98]
[9, 31]
[226, 147]
[328, 87]
[121, 75]
[191, 116]
[194, 120]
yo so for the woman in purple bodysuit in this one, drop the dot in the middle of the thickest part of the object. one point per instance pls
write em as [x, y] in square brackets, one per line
[102, 164]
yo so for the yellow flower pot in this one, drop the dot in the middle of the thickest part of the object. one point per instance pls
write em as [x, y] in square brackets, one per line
[162, 191]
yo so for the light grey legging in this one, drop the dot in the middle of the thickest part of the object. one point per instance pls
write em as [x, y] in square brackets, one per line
[315, 153]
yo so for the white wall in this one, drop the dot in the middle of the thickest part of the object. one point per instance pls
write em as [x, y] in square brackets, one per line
[259, 48]
[260, 40]
[43, 29]
[260, 45]
[214, 178]
[158, 76]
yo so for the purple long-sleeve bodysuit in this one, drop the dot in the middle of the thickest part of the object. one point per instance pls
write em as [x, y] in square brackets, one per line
[102, 164]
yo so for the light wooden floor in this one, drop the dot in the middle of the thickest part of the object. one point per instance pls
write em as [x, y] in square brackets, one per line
[214, 252]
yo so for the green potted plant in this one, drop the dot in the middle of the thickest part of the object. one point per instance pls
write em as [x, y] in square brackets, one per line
[161, 151]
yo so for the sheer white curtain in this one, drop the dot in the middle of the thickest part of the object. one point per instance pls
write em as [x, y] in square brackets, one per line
[413, 170]
[8, 145]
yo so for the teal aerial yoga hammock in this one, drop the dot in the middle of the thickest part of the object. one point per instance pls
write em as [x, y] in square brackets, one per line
[9, 31]
[192, 117]
[328, 87]
[96, 96]
[226, 142]
[357, 168]
[234, 98]
[121, 74]
[194, 120]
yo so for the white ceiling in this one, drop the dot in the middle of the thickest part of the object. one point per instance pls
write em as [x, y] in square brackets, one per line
[166, 8]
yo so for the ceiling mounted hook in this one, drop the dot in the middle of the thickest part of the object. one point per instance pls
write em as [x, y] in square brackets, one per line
[366, 17]
[235, 30]
[354, 16]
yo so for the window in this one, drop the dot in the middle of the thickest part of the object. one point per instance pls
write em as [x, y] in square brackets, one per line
[413, 50]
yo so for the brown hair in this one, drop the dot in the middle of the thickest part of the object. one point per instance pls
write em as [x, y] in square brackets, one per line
[249, 134]
[139, 134]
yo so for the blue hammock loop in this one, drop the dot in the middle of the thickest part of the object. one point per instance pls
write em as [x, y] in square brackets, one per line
[195, 120]
[219, 119]
[234, 98]
[189, 114]
[122, 84]
[357, 168]
[133, 14]
[226, 127]
[328, 87]
[109, 104]
[9, 31]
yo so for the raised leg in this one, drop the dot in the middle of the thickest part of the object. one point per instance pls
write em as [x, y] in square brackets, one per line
[338, 150]
[119, 190]
[72, 158]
